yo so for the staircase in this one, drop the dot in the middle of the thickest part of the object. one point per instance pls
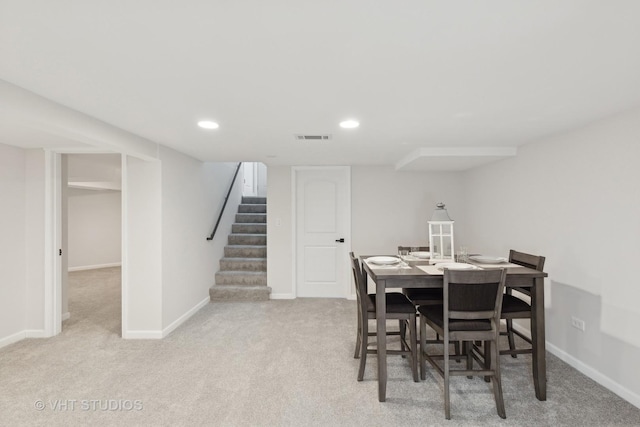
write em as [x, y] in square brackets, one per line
[243, 270]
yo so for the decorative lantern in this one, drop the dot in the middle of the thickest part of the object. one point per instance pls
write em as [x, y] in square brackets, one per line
[441, 235]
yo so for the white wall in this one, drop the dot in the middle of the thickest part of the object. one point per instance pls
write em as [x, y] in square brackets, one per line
[388, 209]
[142, 249]
[192, 195]
[12, 252]
[94, 228]
[574, 198]
[35, 241]
[262, 180]
[391, 208]
[280, 233]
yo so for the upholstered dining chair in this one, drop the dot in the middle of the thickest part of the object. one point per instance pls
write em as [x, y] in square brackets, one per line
[470, 312]
[422, 296]
[514, 307]
[398, 308]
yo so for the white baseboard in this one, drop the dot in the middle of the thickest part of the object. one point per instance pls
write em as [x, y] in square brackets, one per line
[587, 370]
[18, 336]
[142, 335]
[595, 375]
[282, 296]
[36, 333]
[66, 316]
[180, 320]
[96, 266]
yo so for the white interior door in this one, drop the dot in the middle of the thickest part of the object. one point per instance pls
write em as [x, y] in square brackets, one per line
[322, 220]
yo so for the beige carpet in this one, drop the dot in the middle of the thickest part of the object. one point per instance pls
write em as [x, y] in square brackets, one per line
[270, 363]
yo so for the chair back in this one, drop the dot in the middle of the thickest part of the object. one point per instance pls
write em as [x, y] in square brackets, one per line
[473, 295]
[361, 292]
[527, 260]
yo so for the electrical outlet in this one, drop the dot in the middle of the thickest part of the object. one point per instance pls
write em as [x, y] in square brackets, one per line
[577, 323]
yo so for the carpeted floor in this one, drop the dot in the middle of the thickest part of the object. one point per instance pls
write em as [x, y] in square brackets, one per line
[273, 363]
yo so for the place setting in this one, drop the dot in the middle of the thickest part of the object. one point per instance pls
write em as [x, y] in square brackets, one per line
[489, 261]
[386, 262]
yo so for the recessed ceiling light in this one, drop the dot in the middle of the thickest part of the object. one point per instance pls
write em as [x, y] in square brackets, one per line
[208, 124]
[349, 124]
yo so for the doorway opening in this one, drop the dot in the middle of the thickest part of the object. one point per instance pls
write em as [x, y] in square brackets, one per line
[91, 234]
[254, 179]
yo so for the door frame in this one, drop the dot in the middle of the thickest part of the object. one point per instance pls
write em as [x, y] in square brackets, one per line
[294, 224]
[52, 310]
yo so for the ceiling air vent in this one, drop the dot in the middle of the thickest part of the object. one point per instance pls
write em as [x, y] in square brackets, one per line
[320, 137]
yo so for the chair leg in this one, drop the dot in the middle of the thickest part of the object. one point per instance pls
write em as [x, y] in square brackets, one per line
[423, 348]
[456, 348]
[363, 348]
[497, 380]
[466, 348]
[403, 335]
[512, 344]
[358, 336]
[447, 363]
[487, 357]
[414, 341]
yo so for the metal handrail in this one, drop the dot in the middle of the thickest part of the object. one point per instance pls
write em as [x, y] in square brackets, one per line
[213, 233]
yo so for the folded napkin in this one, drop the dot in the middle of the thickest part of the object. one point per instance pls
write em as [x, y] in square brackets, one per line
[435, 269]
[430, 269]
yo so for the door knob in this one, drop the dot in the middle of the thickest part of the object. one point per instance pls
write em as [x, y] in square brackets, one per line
[340, 240]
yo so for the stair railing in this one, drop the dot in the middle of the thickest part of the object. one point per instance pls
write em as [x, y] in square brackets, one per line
[213, 233]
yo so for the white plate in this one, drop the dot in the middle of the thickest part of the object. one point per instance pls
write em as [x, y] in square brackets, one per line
[483, 259]
[455, 266]
[383, 260]
[421, 255]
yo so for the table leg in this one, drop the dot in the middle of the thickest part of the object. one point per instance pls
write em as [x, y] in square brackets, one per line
[381, 333]
[538, 340]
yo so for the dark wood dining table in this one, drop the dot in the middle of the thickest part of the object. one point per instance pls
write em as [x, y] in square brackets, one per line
[414, 277]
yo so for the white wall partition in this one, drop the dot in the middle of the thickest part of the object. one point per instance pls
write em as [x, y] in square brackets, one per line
[13, 297]
[192, 195]
[141, 249]
[35, 242]
[280, 233]
[574, 198]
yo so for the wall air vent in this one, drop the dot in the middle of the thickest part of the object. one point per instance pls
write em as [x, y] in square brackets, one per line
[319, 137]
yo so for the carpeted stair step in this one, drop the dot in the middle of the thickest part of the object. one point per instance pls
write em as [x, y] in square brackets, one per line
[249, 200]
[239, 228]
[243, 264]
[239, 293]
[260, 218]
[241, 278]
[247, 239]
[245, 251]
[252, 209]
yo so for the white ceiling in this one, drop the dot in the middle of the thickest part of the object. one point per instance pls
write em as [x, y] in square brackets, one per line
[419, 75]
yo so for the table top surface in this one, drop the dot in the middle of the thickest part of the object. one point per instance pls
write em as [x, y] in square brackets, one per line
[415, 273]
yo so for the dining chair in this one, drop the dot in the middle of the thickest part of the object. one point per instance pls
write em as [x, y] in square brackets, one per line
[422, 296]
[514, 307]
[470, 312]
[398, 308]
[426, 296]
